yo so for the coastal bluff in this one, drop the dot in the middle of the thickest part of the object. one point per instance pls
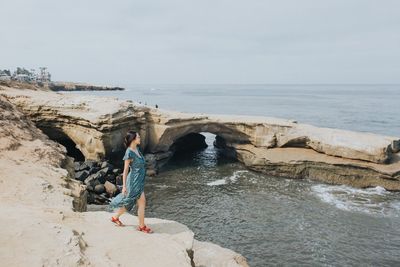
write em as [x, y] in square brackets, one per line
[41, 224]
[278, 147]
[58, 86]
[69, 86]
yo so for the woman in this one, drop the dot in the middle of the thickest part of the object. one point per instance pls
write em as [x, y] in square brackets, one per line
[133, 183]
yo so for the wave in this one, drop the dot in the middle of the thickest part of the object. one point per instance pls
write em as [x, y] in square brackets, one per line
[230, 179]
[374, 200]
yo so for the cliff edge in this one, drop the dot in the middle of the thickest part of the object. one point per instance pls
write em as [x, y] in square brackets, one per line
[41, 225]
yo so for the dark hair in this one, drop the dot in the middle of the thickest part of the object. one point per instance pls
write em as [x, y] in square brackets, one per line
[129, 137]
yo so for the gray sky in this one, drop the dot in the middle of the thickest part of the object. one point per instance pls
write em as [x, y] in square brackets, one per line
[207, 41]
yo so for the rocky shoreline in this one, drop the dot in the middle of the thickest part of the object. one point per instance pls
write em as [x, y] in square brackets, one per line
[100, 178]
[51, 187]
[41, 200]
[94, 127]
[69, 86]
[59, 86]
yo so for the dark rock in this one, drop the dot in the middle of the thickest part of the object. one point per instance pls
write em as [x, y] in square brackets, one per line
[87, 165]
[150, 157]
[91, 163]
[90, 198]
[81, 175]
[99, 189]
[119, 180]
[105, 164]
[111, 178]
[101, 176]
[106, 170]
[116, 171]
[89, 188]
[92, 180]
[94, 169]
[100, 199]
[82, 166]
[159, 156]
[395, 146]
[151, 161]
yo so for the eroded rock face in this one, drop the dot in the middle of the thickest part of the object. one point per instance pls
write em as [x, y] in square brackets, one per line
[299, 163]
[288, 149]
[264, 132]
[38, 194]
[19, 138]
[97, 125]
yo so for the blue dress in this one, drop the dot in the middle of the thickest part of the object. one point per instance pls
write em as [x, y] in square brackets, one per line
[134, 181]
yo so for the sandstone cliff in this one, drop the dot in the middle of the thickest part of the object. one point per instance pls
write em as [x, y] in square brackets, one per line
[273, 146]
[39, 226]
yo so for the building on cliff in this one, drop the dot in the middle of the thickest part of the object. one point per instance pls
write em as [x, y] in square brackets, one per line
[4, 76]
[23, 75]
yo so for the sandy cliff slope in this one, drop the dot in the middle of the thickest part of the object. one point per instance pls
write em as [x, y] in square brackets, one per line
[39, 228]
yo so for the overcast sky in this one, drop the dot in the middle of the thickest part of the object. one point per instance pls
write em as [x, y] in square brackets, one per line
[204, 41]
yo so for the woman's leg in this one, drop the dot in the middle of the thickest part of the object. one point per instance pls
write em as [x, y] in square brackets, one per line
[121, 211]
[141, 202]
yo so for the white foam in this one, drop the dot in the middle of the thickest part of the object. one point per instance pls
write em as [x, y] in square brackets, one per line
[162, 186]
[217, 182]
[371, 200]
[231, 179]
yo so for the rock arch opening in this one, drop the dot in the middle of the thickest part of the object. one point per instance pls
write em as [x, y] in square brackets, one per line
[68, 143]
[188, 143]
[200, 149]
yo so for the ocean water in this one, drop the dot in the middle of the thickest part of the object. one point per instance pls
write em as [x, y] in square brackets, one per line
[274, 221]
[366, 108]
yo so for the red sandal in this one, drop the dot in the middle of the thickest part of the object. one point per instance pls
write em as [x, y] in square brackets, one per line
[117, 221]
[145, 229]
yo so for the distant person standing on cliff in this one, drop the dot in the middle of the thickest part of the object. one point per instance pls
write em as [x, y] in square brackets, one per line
[133, 183]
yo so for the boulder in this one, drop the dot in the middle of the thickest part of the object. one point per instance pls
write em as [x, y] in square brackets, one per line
[80, 166]
[94, 169]
[111, 178]
[106, 164]
[99, 189]
[90, 197]
[90, 164]
[106, 170]
[99, 199]
[92, 180]
[110, 188]
[81, 175]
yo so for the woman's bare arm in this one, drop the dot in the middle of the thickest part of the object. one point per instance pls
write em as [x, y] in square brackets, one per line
[125, 174]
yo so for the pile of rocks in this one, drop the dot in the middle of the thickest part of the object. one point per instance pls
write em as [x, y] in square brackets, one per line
[103, 181]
